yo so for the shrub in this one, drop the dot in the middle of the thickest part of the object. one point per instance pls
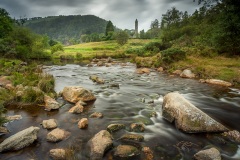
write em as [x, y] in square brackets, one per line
[33, 95]
[173, 55]
[47, 83]
[79, 56]
[122, 37]
[57, 47]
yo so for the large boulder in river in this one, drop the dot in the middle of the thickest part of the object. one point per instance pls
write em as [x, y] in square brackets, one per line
[20, 140]
[208, 154]
[75, 93]
[99, 144]
[187, 117]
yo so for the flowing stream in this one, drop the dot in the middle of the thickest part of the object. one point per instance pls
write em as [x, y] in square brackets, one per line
[137, 98]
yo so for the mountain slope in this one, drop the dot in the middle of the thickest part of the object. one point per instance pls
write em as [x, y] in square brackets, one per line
[64, 28]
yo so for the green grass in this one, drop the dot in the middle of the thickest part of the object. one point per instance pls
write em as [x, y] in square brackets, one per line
[106, 48]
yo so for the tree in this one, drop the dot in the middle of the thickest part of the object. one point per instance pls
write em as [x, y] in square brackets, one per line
[142, 34]
[122, 37]
[109, 28]
[6, 23]
[57, 47]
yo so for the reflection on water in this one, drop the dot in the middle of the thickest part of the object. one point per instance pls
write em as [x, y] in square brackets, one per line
[135, 100]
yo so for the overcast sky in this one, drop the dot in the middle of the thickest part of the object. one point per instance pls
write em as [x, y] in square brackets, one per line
[121, 12]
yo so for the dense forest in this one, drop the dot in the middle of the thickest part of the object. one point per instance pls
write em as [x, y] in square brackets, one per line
[67, 29]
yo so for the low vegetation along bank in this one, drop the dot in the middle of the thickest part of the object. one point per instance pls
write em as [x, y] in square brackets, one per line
[23, 85]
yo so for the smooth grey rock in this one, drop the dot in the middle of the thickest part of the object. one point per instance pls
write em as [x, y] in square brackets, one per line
[20, 140]
[187, 117]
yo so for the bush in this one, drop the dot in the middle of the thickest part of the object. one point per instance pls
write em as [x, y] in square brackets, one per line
[122, 37]
[79, 56]
[47, 83]
[173, 55]
[57, 47]
[67, 57]
[33, 95]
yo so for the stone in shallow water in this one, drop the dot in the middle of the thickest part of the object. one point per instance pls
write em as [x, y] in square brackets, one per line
[218, 82]
[99, 144]
[134, 137]
[96, 115]
[208, 154]
[232, 135]
[83, 123]
[115, 127]
[187, 117]
[76, 109]
[49, 124]
[74, 94]
[50, 103]
[126, 151]
[20, 140]
[57, 135]
[58, 154]
[137, 127]
[14, 117]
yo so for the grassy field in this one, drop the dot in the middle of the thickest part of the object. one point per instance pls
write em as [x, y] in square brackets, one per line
[95, 49]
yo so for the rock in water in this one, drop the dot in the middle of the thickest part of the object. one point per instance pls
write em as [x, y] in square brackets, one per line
[97, 79]
[74, 94]
[208, 154]
[50, 103]
[187, 117]
[83, 123]
[49, 124]
[58, 154]
[115, 127]
[57, 135]
[219, 82]
[20, 140]
[101, 142]
[187, 74]
[126, 151]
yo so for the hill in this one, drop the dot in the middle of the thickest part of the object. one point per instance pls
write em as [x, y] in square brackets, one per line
[67, 28]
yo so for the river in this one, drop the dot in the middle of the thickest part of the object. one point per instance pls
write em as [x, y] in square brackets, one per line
[134, 101]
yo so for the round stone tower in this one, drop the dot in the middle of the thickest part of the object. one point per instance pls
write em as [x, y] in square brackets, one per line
[136, 28]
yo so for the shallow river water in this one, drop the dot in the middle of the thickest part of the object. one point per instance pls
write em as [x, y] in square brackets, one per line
[134, 101]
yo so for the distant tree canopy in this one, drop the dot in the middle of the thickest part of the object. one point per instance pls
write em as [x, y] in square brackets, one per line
[122, 37]
[109, 28]
[67, 29]
[6, 23]
[19, 42]
[215, 25]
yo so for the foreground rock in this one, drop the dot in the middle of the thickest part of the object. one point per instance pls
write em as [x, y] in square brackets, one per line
[50, 103]
[99, 144]
[57, 135]
[187, 117]
[83, 123]
[208, 154]
[20, 140]
[49, 124]
[187, 74]
[97, 79]
[58, 154]
[232, 135]
[134, 137]
[218, 82]
[74, 94]
[126, 151]
[115, 127]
